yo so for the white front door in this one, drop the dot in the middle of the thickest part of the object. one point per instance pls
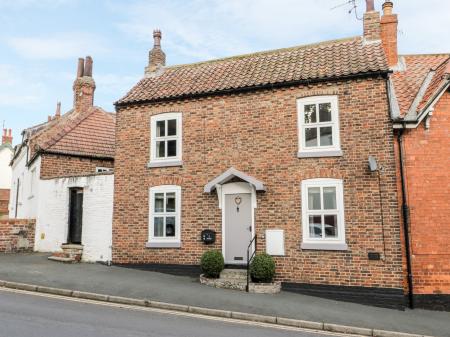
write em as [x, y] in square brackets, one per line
[238, 227]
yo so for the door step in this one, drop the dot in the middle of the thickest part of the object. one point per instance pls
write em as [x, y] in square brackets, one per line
[236, 279]
[70, 254]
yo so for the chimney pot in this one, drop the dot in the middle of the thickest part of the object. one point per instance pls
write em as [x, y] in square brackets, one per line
[88, 66]
[80, 69]
[157, 38]
[370, 7]
[387, 7]
[7, 136]
[58, 110]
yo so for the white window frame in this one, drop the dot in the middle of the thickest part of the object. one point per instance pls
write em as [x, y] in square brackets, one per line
[103, 169]
[165, 242]
[318, 151]
[167, 161]
[32, 181]
[337, 243]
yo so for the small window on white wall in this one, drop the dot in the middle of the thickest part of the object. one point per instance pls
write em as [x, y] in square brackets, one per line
[32, 181]
[165, 216]
[166, 140]
[323, 214]
[318, 126]
[103, 169]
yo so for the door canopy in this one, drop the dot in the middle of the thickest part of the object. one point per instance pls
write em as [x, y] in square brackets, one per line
[230, 174]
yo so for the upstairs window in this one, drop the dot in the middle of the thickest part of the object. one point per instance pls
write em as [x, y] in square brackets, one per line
[323, 214]
[166, 140]
[318, 127]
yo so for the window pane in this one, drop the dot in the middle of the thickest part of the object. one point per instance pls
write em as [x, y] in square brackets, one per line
[331, 230]
[325, 112]
[329, 197]
[172, 127]
[159, 202]
[160, 128]
[314, 198]
[170, 226]
[315, 226]
[171, 148]
[326, 136]
[158, 226]
[160, 149]
[310, 137]
[310, 113]
[170, 202]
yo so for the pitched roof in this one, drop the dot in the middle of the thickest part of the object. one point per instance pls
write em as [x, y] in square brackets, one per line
[426, 72]
[331, 59]
[90, 133]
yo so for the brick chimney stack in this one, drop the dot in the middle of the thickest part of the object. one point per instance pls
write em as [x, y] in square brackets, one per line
[84, 85]
[389, 23]
[372, 29]
[7, 136]
[156, 57]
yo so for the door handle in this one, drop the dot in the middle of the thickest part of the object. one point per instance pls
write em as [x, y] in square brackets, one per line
[249, 228]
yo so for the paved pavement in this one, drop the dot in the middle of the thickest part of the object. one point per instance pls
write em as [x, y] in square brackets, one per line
[28, 315]
[36, 269]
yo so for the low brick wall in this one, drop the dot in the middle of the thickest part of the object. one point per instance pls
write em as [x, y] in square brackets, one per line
[17, 235]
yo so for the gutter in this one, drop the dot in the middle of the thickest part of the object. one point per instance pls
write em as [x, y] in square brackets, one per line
[406, 221]
[383, 73]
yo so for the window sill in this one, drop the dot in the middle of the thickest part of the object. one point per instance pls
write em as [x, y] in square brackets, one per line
[163, 245]
[323, 246]
[169, 163]
[318, 154]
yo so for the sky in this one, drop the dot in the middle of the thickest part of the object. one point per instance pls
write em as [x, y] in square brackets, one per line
[41, 40]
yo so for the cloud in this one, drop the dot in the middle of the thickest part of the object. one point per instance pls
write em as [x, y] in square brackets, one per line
[61, 46]
[205, 29]
[17, 89]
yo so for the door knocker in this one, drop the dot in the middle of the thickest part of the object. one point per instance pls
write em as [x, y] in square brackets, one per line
[237, 201]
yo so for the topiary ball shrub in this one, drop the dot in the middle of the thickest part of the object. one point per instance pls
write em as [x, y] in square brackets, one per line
[262, 268]
[212, 263]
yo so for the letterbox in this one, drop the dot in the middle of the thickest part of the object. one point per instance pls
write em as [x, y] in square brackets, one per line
[208, 236]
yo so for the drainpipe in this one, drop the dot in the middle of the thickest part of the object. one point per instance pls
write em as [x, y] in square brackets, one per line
[406, 221]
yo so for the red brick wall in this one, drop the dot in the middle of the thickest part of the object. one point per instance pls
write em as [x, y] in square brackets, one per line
[257, 133]
[53, 166]
[4, 202]
[17, 235]
[427, 163]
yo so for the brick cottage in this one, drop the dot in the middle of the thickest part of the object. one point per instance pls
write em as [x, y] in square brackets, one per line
[420, 108]
[274, 145]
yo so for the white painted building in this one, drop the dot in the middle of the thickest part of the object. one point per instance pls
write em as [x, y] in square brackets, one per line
[53, 215]
[62, 176]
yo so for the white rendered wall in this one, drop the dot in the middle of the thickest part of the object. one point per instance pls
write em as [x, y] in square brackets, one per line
[52, 222]
[5, 169]
[28, 178]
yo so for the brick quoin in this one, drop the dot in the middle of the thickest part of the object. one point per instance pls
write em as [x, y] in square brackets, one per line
[256, 132]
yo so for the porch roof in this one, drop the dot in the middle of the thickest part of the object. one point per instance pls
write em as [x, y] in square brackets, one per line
[230, 174]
